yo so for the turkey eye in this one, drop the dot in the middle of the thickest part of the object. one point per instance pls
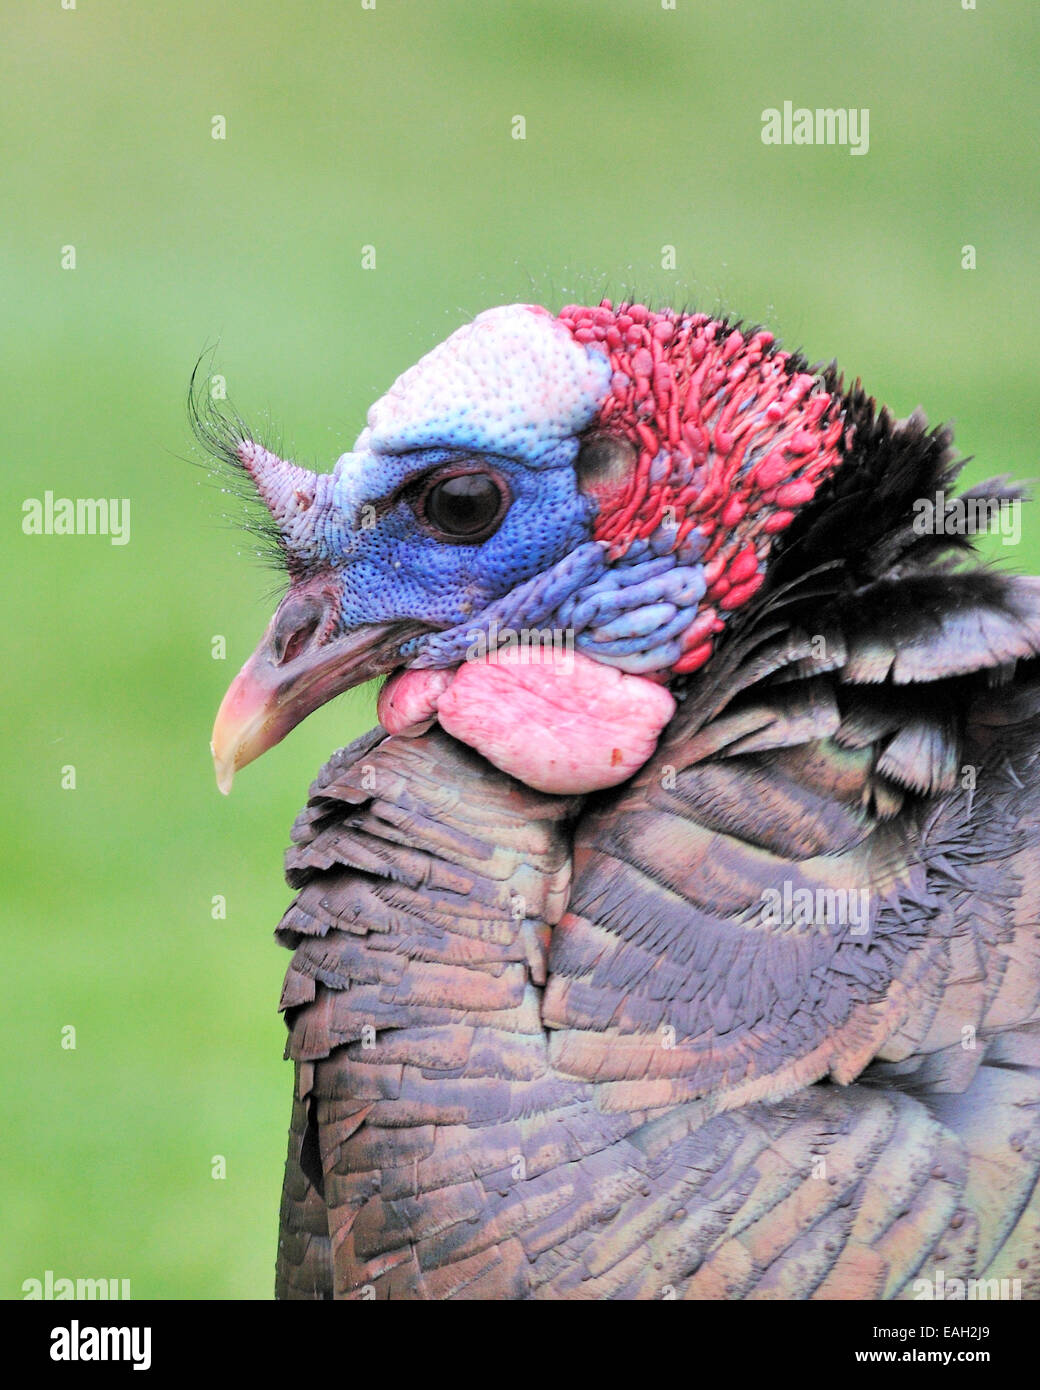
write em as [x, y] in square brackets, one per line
[604, 460]
[465, 507]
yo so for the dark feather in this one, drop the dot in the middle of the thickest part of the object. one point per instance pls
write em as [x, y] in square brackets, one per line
[219, 430]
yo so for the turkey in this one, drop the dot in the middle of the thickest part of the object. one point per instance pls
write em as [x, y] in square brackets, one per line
[675, 935]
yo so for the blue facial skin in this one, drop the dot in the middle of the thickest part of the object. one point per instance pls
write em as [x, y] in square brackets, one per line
[539, 570]
[392, 568]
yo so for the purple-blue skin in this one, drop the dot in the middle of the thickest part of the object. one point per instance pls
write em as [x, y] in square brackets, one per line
[511, 392]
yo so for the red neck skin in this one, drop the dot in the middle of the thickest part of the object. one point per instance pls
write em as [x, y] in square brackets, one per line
[731, 439]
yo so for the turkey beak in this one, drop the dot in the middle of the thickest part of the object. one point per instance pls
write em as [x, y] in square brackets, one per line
[298, 666]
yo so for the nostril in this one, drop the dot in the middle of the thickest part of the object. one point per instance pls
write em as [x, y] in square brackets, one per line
[295, 627]
[298, 641]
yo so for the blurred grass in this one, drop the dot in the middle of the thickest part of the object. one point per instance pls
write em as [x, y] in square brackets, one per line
[390, 128]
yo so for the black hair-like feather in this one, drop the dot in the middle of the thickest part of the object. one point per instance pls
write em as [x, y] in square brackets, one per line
[220, 430]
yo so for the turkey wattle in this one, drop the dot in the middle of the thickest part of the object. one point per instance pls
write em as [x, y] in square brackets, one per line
[708, 778]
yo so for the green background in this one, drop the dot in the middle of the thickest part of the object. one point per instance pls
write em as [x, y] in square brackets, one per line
[391, 128]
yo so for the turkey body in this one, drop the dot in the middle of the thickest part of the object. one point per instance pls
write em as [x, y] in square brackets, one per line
[713, 969]
[555, 1048]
